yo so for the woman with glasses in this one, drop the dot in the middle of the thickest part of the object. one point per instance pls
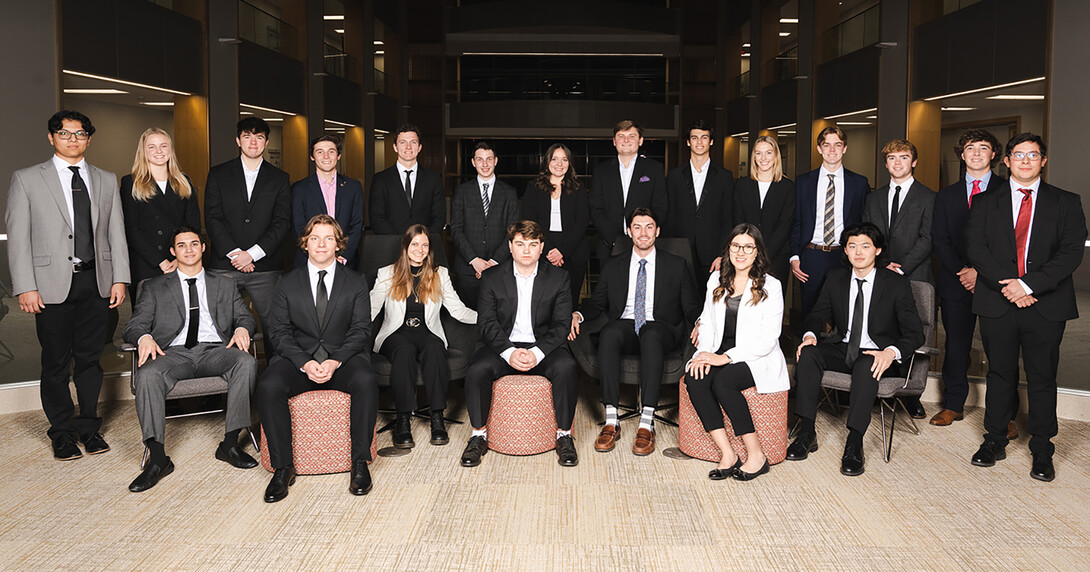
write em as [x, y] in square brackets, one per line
[412, 291]
[737, 348]
[766, 199]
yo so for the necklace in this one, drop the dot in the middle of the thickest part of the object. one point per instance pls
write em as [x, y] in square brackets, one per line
[416, 274]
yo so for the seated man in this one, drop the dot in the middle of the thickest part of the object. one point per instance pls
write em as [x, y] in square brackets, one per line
[649, 296]
[320, 325]
[190, 313]
[891, 322]
[522, 318]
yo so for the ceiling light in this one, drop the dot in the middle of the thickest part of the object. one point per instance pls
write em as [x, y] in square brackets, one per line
[378, 42]
[1017, 97]
[123, 82]
[789, 20]
[745, 54]
[978, 90]
[958, 108]
[740, 134]
[854, 123]
[158, 103]
[781, 126]
[339, 123]
[96, 91]
[339, 30]
[273, 119]
[333, 17]
[380, 53]
[248, 106]
[583, 54]
[746, 45]
[871, 117]
[852, 113]
[784, 34]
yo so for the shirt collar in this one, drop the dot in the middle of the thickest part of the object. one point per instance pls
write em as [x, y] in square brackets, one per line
[490, 182]
[62, 166]
[312, 270]
[905, 186]
[631, 164]
[402, 168]
[983, 180]
[260, 161]
[702, 171]
[839, 173]
[1032, 186]
[650, 258]
[869, 278]
[515, 269]
[183, 276]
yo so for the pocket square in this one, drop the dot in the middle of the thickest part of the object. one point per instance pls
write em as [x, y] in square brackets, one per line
[645, 179]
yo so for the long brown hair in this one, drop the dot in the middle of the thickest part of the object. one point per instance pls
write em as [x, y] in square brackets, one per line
[569, 185]
[401, 282]
[143, 185]
[757, 272]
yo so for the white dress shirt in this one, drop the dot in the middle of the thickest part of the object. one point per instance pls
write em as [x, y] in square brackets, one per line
[162, 186]
[312, 273]
[699, 177]
[626, 177]
[206, 329]
[907, 184]
[66, 176]
[255, 251]
[838, 206]
[1016, 205]
[523, 329]
[402, 169]
[762, 190]
[480, 185]
[649, 300]
[556, 223]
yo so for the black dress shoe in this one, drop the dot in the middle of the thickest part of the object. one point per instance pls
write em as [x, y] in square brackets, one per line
[914, 407]
[361, 478]
[150, 476]
[1042, 468]
[802, 446]
[235, 457]
[565, 451]
[93, 443]
[403, 432]
[740, 475]
[718, 474]
[283, 478]
[851, 464]
[475, 449]
[438, 429]
[988, 453]
[65, 449]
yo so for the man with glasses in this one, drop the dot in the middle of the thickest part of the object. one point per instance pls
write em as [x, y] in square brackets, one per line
[69, 263]
[1025, 241]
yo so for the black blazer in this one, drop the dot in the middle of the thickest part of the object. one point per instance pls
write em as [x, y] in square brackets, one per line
[150, 224]
[293, 318]
[707, 225]
[551, 307]
[856, 188]
[948, 222]
[676, 303]
[908, 243]
[307, 201]
[893, 319]
[574, 218]
[774, 219]
[391, 212]
[608, 209]
[235, 222]
[478, 236]
[1056, 245]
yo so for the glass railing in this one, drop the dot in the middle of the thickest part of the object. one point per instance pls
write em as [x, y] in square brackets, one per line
[380, 81]
[857, 32]
[785, 65]
[738, 86]
[341, 64]
[264, 29]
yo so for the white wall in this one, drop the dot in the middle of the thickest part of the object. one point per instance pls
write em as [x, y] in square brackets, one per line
[117, 131]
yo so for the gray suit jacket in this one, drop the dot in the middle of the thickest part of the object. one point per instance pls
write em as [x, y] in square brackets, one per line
[160, 309]
[40, 243]
[908, 243]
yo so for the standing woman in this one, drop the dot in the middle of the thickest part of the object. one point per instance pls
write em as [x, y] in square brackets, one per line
[766, 199]
[412, 291]
[558, 202]
[738, 348]
[155, 199]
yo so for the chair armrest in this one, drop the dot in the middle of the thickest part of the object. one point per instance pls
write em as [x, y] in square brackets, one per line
[127, 347]
[927, 351]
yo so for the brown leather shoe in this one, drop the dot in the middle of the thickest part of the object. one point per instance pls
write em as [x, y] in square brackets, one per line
[607, 438]
[946, 417]
[644, 443]
[1012, 431]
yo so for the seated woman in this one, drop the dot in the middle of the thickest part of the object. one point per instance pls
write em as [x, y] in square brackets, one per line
[737, 348]
[412, 291]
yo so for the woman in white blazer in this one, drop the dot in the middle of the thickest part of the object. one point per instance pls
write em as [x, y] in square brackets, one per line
[412, 291]
[737, 348]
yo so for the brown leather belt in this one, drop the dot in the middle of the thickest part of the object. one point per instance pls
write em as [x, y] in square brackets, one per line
[823, 248]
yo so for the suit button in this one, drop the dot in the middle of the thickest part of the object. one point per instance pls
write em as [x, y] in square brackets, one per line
[69, 258]
[247, 220]
[160, 247]
[69, 237]
[160, 233]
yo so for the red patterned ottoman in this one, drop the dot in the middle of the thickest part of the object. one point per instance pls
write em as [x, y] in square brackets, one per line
[321, 441]
[522, 420]
[769, 411]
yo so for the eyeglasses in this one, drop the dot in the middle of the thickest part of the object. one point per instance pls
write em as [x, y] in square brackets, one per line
[1032, 156]
[743, 248]
[66, 135]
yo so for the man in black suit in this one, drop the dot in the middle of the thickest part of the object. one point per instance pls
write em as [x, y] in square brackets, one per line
[650, 300]
[321, 328]
[407, 194]
[828, 200]
[523, 316]
[701, 198]
[624, 184]
[181, 322]
[870, 308]
[479, 216]
[1025, 241]
[328, 192]
[247, 211]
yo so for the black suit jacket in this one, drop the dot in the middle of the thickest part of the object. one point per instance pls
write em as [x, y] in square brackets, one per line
[908, 243]
[550, 312]
[391, 212]
[293, 319]
[478, 236]
[1056, 244]
[150, 224]
[774, 218]
[856, 188]
[574, 217]
[948, 222]
[608, 208]
[235, 222]
[307, 201]
[893, 319]
[708, 224]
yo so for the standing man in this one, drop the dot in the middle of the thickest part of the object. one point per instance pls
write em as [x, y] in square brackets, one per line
[483, 209]
[828, 200]
[328, 192]
[407, 194]
[69, 264]
[623, 185]
[1025, 242]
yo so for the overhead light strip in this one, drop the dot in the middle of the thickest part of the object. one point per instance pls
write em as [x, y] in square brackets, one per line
[781, 126]
[123, 82]
[333, 17]
[852, 113]
[1017, 97]
[978, 90]
[339, 123]
[657, 55]
[269, 109]
[81, 91]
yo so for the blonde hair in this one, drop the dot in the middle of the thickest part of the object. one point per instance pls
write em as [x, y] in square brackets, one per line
[144, 187]
[777, 165]
[401, 282]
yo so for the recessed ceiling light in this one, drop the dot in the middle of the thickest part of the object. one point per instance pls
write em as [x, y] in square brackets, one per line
[123, 82]
[378, 42]
[784, 34]
[861, 111]
[339, 30]
[871, 117]
[96, 91]
[1018, 97]
[339, 123]
[333, 17]
[990, 87]
[746, 45]
[785, 126]
[854, 123]
[247, 105]
[273, 119]
[380, 52]
[958, 108]
[789, 20]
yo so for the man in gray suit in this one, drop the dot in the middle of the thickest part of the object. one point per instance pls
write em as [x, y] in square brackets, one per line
[190, 313]
[69, 263]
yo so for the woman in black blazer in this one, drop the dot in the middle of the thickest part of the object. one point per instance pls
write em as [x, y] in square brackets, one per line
[156, 198]
[766, 199]
[558, 202]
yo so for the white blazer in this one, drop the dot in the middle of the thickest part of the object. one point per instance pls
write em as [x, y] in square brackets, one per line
[395, 309]
[757, 336]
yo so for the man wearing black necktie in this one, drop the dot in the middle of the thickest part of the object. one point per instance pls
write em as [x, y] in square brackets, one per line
[69, 263]
[321, 328]
[407, 194]
[877, 327]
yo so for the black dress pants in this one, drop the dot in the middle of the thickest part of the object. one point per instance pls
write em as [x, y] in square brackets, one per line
[959, 321]
[816, 360]
[619, 338]
[405, 348]
[486, 367]
[722, 387]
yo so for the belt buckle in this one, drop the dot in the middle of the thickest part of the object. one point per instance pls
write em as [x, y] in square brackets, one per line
[413, 322]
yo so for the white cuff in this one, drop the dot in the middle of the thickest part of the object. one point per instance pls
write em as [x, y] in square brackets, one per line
[256, 252]
[1025, 286]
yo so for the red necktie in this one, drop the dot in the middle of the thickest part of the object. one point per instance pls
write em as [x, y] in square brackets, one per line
[976, 191]
[1021, 229]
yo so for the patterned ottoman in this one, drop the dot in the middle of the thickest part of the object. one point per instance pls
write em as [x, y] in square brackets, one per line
[321, 442]
[522, 420]
[769, 411]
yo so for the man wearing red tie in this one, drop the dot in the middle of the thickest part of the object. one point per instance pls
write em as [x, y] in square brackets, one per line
[1024, 243]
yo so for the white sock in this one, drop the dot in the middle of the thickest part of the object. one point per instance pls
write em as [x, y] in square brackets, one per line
[480, 433]
[562, 433]
[611, 415]
[647, 418]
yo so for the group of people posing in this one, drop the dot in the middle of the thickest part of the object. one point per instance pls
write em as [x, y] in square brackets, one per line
[78, 245]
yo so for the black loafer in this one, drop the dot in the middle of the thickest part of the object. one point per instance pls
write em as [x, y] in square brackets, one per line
[565, 451]
[403, 432]
[1043, 470]
[438, 429]
[150, 476]
[740, 475]
[988, 453]
[93, 443]
[802, 446]
[283, 478]
[914, 407]
[361, 479]
[851, 464]
[475, 449]
[65, 449]
[235, 457]
[718, 474]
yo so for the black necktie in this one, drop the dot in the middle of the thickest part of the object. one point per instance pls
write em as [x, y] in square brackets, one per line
[409, 186]
[857, 327]
[321, 302]
[81, 211]
[896, 206]
[194, 314]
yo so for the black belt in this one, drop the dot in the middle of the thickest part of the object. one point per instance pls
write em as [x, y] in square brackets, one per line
[83, 266]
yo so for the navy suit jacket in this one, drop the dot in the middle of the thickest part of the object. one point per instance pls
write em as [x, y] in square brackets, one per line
[856, 188]
[948, 221]
[307, 201]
